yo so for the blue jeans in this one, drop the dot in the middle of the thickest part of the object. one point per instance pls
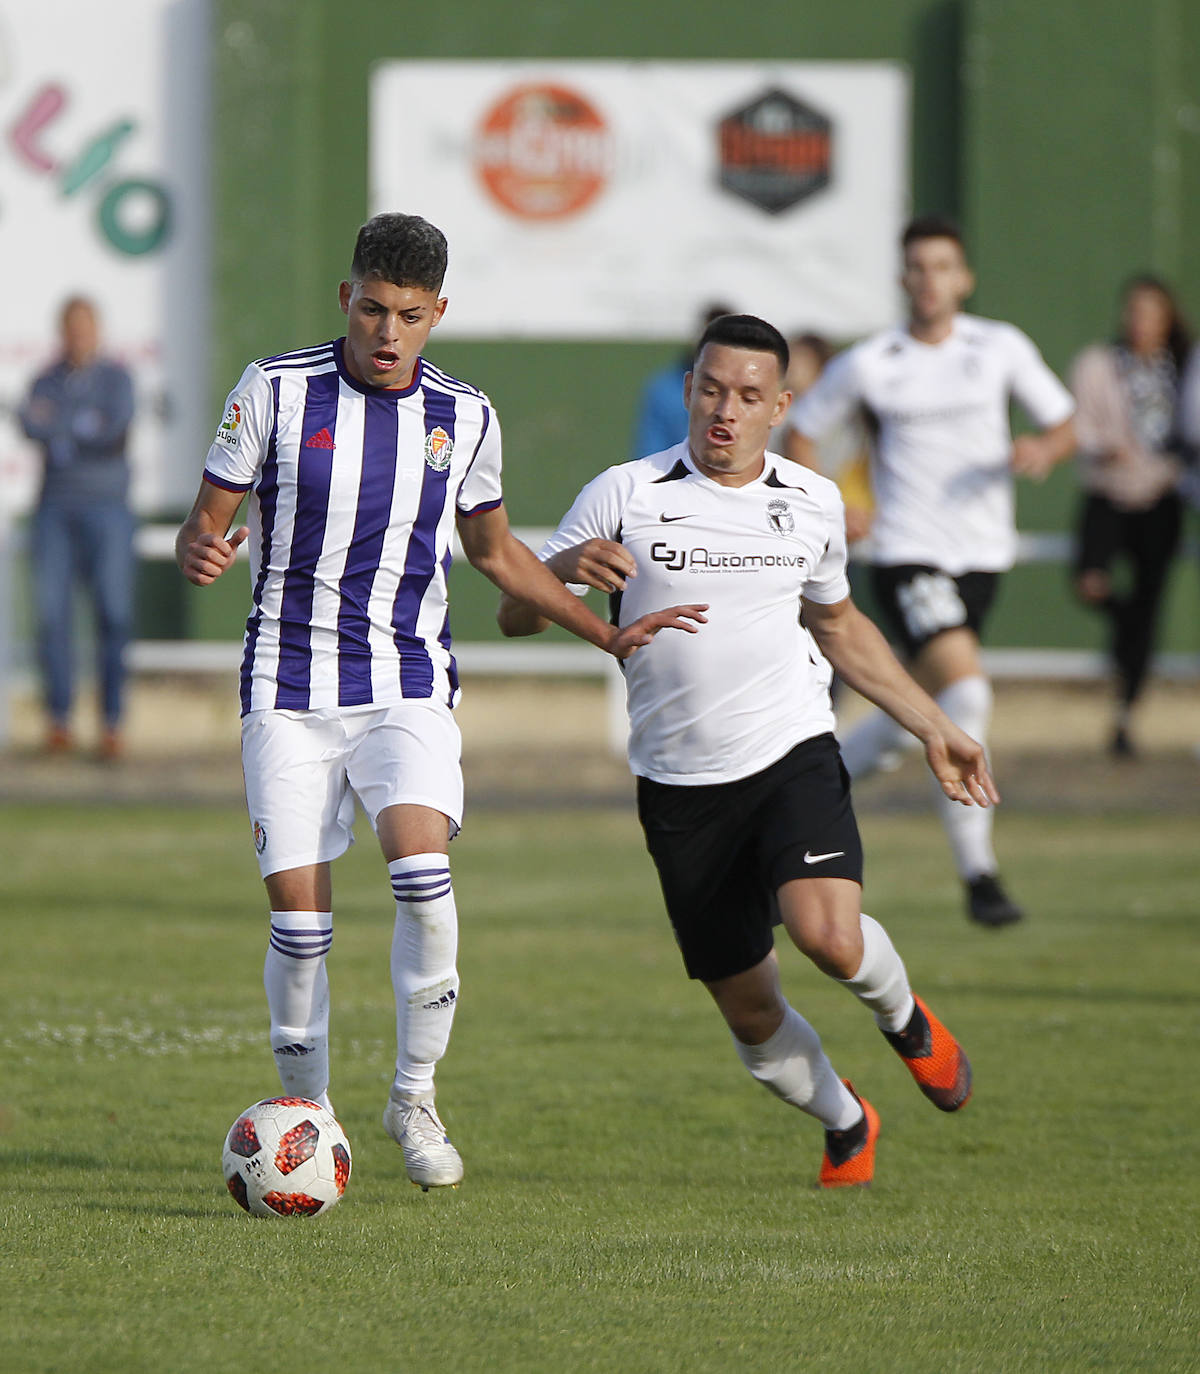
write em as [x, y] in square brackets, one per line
[91, 544]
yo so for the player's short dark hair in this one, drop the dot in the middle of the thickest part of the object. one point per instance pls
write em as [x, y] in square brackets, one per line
[749, 332]
[405, 250]
[932, 227]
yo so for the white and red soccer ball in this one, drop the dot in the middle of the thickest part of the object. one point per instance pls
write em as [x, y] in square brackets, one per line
[286, 1157]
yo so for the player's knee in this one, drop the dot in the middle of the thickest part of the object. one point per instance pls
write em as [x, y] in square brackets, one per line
[753, 1014]
[834, 947]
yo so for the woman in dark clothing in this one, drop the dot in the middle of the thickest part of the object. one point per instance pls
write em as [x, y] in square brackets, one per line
[1127, 394]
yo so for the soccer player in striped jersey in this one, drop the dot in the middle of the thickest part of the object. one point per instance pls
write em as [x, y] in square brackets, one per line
[937, 390]
[741, 790]
[361, 459]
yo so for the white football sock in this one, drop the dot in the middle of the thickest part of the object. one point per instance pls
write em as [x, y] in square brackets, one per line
[298, 1000]
[793, 1066]
[424, 978]
[874, 736]
[881, 982]
[968, 703]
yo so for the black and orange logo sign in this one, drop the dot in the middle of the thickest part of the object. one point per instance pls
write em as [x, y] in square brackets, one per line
[775, 151]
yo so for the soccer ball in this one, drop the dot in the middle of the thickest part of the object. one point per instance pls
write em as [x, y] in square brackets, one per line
[286, 1157]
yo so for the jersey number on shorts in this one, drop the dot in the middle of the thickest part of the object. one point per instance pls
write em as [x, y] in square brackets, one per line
[929, 603]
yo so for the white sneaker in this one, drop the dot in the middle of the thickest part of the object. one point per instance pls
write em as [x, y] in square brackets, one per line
[429, 1158]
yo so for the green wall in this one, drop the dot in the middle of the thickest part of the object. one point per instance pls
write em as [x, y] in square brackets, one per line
[1064, 133]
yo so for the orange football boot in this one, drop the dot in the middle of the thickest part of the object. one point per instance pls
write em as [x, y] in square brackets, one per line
[934, 1058]
[849, 1159]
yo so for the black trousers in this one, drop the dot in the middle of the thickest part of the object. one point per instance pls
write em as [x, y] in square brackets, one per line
[1146, 541]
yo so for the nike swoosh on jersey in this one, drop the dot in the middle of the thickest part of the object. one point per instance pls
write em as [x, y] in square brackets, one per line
[670, 519]
[820, 858]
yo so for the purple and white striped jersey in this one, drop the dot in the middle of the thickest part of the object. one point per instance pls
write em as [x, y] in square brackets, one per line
[353, 496]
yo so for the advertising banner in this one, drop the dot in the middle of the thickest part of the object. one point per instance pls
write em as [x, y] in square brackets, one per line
[103, 156]
[617, 200]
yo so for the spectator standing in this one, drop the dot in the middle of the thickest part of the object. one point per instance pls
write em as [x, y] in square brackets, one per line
[79, 411]
[1127, 396]
[844, 453]
[662, 416]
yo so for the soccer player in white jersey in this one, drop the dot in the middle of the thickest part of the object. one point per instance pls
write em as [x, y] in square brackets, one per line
[741, 791]
[361, 458]
[938, 390]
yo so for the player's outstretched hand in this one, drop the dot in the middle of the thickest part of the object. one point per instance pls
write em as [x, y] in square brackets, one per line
[1032, 457]
[208, 555]
[641, 631]
[960, 764]
[598, 563]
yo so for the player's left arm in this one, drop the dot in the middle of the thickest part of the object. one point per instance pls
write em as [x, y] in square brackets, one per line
[601, 564]
[493, 549]
[1047, 402]
[864, 660]
[1035, 455]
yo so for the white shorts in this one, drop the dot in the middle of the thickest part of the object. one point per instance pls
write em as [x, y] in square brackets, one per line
[303, 770]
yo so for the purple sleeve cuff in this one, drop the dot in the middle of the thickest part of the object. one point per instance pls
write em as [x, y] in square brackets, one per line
[480, 510]
[224, 483]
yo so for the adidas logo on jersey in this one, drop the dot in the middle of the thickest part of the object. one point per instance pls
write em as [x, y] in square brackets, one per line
[321, 439]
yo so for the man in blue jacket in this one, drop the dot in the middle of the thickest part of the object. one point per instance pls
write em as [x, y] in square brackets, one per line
[79, 411]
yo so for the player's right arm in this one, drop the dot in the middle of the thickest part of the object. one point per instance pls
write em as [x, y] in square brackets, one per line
[204, 548]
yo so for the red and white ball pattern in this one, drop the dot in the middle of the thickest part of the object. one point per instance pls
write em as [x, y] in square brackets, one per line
[286, 1157]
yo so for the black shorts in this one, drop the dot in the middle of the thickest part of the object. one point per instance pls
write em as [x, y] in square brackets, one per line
[723, 851]
[920, 602]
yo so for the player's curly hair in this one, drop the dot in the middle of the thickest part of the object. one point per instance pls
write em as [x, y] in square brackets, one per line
[405, 250]
[747, 331]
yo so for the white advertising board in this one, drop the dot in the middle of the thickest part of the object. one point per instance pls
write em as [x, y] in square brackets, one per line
[616, 200]
[103, 190]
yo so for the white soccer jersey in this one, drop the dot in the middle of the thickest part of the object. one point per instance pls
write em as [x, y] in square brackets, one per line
[354, 491]
[726, 702]
[941, 469]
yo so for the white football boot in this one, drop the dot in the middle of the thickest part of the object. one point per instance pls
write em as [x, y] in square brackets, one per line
[429, 1158]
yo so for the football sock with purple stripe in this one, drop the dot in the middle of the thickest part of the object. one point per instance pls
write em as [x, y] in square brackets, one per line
[298, 998]
[424, 978]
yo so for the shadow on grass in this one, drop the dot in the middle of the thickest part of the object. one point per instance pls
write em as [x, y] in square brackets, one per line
[12, 1160]
[151, 1209]
[1149, 997]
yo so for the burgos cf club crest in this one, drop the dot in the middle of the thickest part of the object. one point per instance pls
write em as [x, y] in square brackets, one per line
[780, 517]
[439, 449]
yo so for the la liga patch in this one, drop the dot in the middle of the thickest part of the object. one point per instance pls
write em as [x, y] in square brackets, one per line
[229, 431]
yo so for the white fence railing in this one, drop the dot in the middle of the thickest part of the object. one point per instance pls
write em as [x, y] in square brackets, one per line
[156, 543]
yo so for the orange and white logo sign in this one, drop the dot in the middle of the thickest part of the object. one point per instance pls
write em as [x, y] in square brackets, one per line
[544, 152]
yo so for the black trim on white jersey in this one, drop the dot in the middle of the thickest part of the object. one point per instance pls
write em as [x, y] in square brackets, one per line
[680, 469]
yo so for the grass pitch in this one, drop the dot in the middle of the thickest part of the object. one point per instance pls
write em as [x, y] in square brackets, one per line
[633, 1201]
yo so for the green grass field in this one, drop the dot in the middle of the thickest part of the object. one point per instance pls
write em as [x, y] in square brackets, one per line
[633, 1201]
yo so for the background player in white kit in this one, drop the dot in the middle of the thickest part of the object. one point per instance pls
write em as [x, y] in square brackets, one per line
[361, 458]
[938, 390]
[741, 792]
